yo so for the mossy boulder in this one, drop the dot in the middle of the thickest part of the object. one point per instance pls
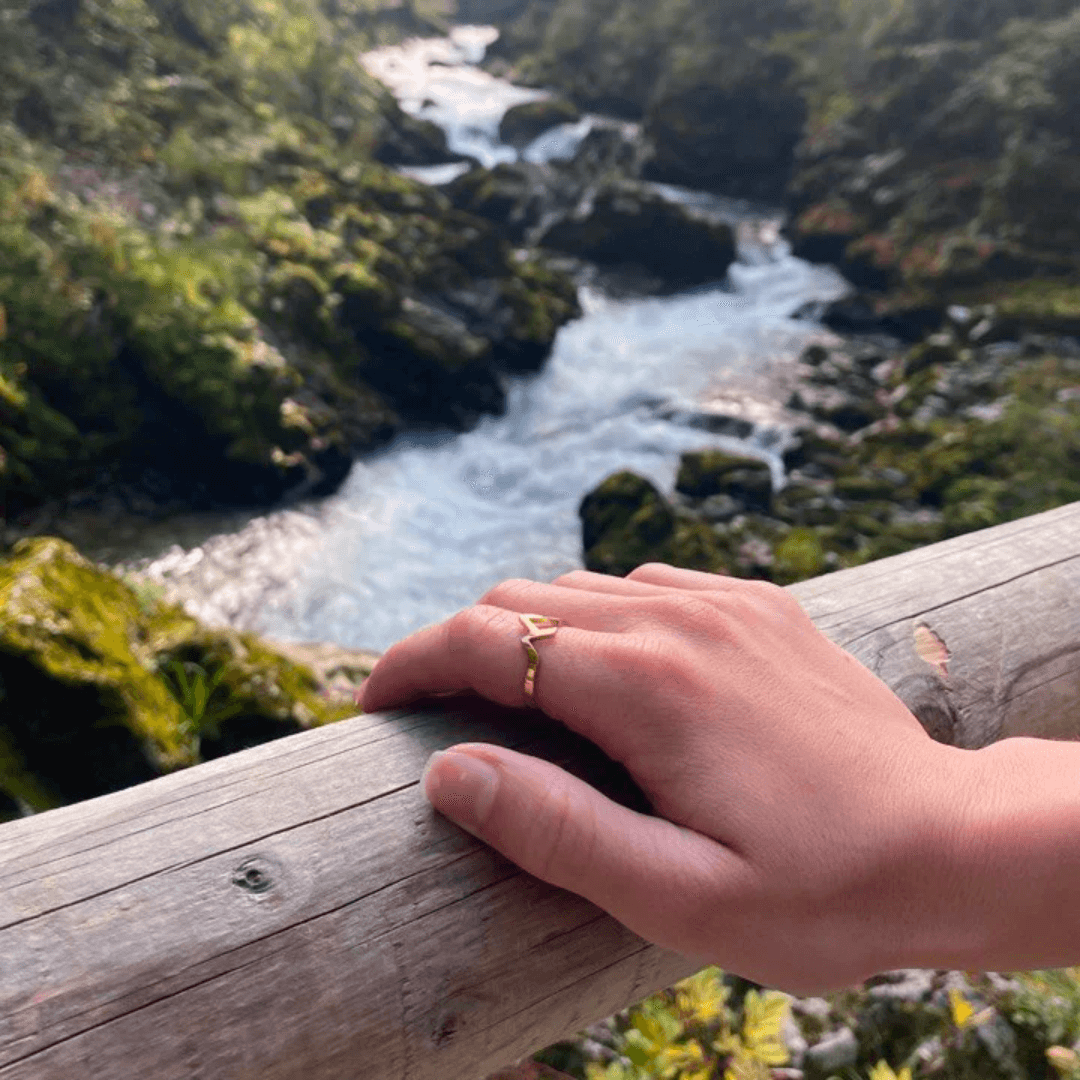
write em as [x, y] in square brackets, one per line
[627, 222]
[104, 686]
[407, 140]
[523, 123]
[626, 521]
[712, 472]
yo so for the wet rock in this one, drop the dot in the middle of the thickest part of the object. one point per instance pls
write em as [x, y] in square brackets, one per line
[515, 195]
[718, 423]
[626, 521]
[607, 153]
[629, 223]
[523, 123]
[408, 140]
[843, 409]
[748, 481]
[738, 138]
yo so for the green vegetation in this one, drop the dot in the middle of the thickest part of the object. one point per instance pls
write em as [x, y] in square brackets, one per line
[968, 443]
[924, 146]
[208, 282]
[908, 1024]
[103, 688]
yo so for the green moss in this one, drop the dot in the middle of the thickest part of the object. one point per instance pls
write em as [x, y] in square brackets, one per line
[192, 229]
[713, 472]
[92, 697]
[1049, 305]
[800, 555]
[913, 484]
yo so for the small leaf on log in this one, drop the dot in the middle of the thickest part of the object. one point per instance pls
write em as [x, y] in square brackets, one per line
[932, 649]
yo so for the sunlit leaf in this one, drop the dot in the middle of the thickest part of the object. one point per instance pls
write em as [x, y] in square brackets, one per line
[764, 1018]
[961, 1008]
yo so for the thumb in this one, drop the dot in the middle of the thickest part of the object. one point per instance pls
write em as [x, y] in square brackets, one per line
[658, 879]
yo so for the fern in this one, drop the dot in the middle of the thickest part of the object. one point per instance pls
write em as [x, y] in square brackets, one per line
[195, 690]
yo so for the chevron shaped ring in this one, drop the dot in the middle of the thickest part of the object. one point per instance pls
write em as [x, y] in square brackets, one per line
[539, 627]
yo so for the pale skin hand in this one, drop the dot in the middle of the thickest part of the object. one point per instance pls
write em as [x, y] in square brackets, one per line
[807, 822]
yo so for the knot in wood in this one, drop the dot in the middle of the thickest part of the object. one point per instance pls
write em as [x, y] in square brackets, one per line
[253, 876]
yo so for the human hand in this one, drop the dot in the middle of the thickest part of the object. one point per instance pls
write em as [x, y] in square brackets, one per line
[807, 820]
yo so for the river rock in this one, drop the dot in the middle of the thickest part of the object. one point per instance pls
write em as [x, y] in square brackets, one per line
[100, 682]
[608, 152]
[409, 140]
[747, 481]
[737, 138]
[523, 123]
[627, 223]
[837, 1050]
[516, 195]
[626, 521]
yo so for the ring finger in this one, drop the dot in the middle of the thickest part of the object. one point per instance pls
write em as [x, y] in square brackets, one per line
[481, 650]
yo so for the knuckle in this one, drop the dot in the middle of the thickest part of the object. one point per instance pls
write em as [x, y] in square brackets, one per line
[569, 835]
[507, 593]
[652, 662]
[574, 577]
[698, 613]
[650, 571]
[764, 598]
[468, 629]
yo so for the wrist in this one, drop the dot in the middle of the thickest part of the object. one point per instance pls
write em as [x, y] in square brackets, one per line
[1007, 848]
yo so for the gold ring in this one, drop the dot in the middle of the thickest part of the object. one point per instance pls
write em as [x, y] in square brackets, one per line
[539, 627]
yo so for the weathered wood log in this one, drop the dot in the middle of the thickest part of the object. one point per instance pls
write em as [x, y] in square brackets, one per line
[298, 911]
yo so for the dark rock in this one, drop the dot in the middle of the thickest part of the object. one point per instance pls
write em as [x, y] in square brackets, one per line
[515, 195]
[407, 140]
[9, 808]
[813, 447]
[715, 422]
[607, 153]
[523, 123]
[851, 315]
[628, 223]
[623, 520]
[627, 522]
[712, 472]
[738, 139]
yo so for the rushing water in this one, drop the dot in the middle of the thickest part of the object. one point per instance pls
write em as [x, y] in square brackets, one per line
[423, 527]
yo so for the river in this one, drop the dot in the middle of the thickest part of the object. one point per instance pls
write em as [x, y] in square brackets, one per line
[424, 526]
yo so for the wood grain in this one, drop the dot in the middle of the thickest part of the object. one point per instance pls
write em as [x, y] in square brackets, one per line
[297, 912]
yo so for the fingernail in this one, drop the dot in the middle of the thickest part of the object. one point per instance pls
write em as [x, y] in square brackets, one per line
[463, 788]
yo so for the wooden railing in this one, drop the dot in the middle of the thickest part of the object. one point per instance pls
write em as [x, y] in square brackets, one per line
[298, 912]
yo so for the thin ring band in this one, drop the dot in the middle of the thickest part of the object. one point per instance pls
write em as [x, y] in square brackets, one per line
[539, 627]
